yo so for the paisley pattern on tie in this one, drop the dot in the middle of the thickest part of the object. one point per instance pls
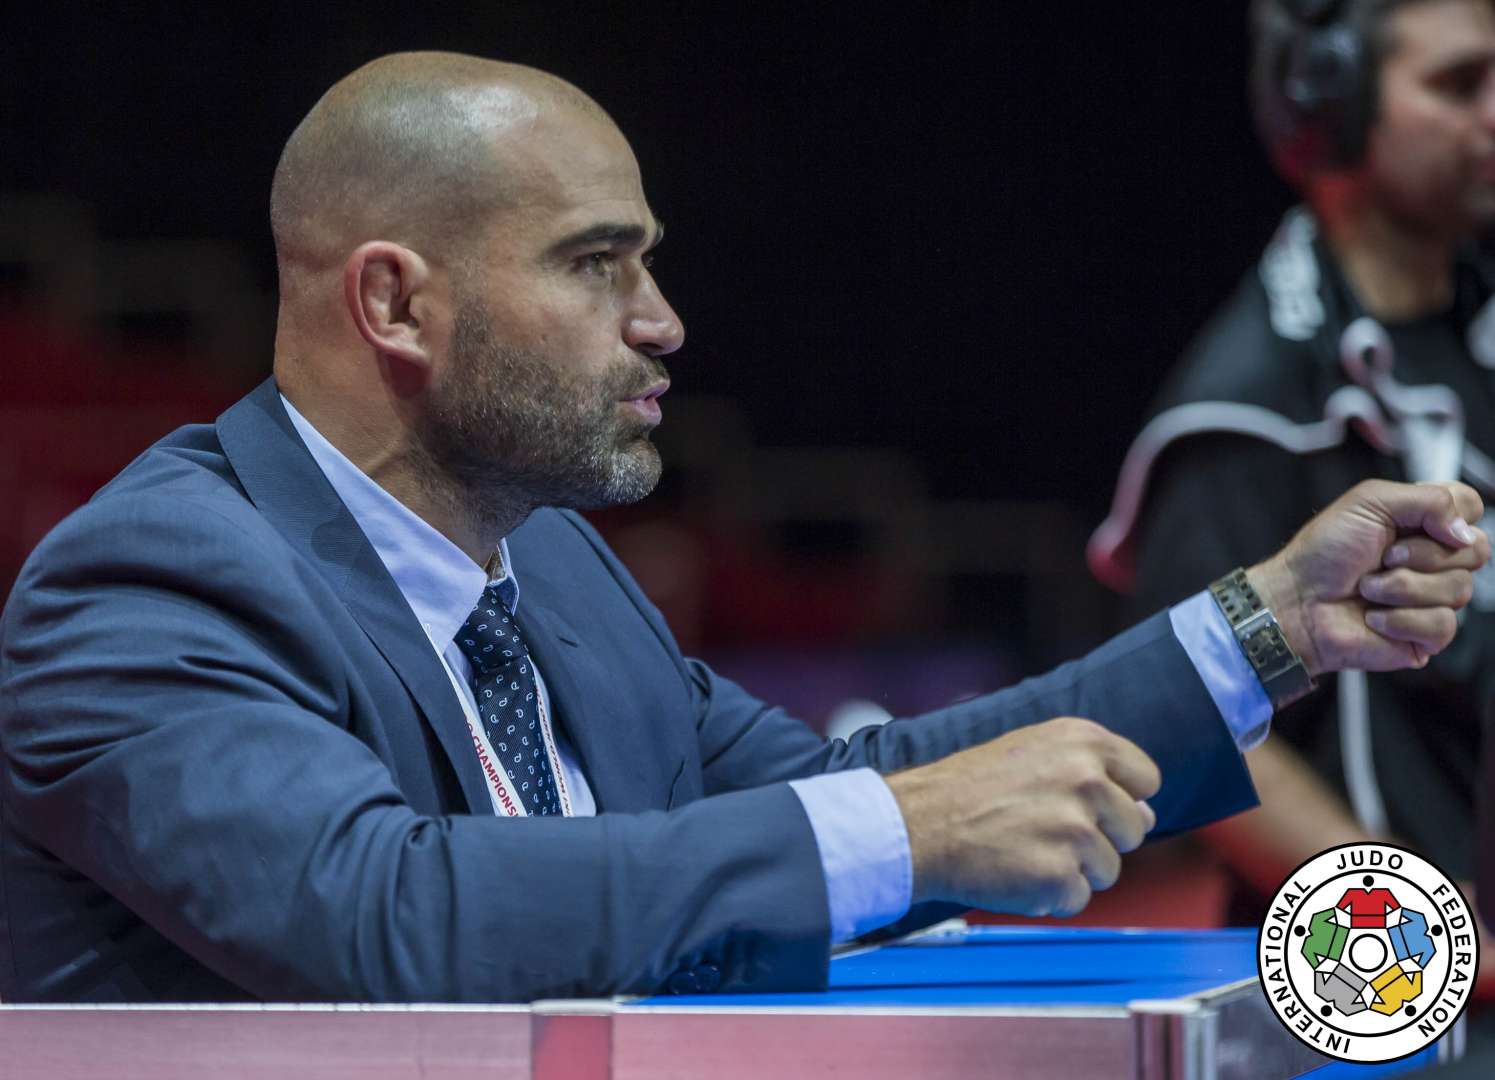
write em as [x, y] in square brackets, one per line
[503, 683]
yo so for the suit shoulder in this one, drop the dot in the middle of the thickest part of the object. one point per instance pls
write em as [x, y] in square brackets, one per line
[189, 465]
[176, 507]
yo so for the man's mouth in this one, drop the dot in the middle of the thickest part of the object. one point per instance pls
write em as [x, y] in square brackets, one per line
[646, 404]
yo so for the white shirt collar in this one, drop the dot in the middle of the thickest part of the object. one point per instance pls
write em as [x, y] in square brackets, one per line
[439, 582]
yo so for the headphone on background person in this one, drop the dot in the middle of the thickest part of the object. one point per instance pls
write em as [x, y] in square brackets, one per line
[1315, 81]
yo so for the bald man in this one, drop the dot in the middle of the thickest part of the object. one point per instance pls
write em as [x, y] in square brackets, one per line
[338, 698]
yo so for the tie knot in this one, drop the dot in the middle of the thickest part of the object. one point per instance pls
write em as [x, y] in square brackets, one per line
[490, 637]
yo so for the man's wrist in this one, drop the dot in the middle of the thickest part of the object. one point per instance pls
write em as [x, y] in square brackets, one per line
[1278, 589]
[863, 846]
[1260, 636]
[913, 792]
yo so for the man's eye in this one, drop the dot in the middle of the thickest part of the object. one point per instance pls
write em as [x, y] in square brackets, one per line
[598, 262]
[1465, 83]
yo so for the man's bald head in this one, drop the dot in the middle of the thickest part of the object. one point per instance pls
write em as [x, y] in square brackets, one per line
[466, 311]
[409, 148]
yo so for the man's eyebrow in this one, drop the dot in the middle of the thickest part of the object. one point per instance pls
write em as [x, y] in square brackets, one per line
[612, 234]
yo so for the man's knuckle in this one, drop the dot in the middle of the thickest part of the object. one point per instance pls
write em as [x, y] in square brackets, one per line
[1079, 832]
[1061, 831]
[1448, 625]
[1074, 895]
[1048, 893]
[1129, 836]
[1081, 729]
[1056, 865]
[1394, 586]
[1064, 765]
[1087, 778]
[1431, 628]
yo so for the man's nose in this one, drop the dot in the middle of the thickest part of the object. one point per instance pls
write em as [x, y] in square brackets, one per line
[652, 326]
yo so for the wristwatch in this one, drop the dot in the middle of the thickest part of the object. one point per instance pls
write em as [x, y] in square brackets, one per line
[1256, 630]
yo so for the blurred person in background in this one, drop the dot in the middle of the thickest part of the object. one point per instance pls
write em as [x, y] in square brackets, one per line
[1362, 345]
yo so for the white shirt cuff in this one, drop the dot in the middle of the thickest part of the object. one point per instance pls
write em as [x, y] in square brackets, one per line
[869, 872]
[1205, 634]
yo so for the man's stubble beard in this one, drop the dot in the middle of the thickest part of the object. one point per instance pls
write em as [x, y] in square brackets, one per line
[506, 431]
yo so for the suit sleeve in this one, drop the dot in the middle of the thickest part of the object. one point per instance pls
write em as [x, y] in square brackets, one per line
[1140, 684]
[170, 722]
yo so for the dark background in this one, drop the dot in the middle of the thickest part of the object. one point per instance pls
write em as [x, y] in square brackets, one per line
[977, 234]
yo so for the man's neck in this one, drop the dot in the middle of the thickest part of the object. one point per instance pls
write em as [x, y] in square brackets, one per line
[1398, 273]
[474, 522]
[388, 455]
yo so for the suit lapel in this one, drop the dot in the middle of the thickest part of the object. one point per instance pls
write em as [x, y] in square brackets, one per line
[285, 483]
[622, 760]
[558, 653]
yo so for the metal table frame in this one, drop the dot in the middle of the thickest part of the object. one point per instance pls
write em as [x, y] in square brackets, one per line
[1223, 1033]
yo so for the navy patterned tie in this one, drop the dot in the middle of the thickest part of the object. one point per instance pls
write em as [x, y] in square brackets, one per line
[503, 682]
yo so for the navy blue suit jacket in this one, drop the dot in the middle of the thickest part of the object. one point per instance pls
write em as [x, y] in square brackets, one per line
[234, 767]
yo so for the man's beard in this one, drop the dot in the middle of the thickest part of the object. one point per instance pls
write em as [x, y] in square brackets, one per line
[512, 432]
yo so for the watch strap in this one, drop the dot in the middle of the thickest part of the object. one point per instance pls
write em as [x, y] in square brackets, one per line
[1279, 669]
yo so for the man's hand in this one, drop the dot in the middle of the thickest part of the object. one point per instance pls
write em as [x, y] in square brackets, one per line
[1375, 581]
[1030, 823]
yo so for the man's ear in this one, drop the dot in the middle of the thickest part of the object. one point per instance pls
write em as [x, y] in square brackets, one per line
[380, 281]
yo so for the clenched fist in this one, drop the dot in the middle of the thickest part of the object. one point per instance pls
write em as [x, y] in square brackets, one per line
[1034, 822]
[1375, 581]
[1029, 823]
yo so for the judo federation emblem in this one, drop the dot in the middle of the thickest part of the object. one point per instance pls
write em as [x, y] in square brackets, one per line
[1368, 952]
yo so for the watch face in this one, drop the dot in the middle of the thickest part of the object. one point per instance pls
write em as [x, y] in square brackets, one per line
[1282, 674]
